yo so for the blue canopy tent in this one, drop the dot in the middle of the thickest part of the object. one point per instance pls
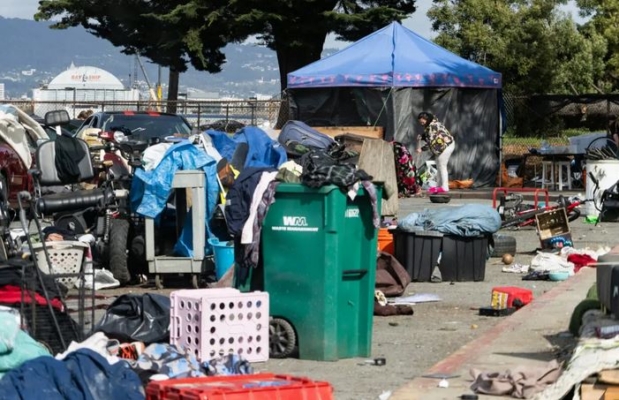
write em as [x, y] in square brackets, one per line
[388, 77]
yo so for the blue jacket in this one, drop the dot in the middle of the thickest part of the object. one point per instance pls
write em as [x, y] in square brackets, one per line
[238, 198]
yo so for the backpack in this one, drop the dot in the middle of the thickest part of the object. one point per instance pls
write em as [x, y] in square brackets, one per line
[391, 277]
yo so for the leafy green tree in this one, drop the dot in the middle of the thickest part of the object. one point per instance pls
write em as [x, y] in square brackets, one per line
[173, 33]
[535, 47]
[135, 26]
[603, 17]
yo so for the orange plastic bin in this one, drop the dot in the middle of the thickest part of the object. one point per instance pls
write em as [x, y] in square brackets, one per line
[385, 241]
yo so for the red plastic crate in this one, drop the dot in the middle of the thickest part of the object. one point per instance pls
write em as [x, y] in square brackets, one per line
[240, 387]
[515, 293]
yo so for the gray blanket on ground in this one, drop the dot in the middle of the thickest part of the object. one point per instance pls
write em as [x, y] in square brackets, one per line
[467, 220]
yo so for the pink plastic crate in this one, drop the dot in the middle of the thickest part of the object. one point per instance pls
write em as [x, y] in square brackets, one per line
[214, 322]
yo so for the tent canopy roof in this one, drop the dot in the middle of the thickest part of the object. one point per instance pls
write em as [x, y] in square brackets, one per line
[394, 57]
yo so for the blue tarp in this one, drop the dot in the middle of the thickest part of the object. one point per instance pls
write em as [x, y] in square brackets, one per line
[394, 57]
[263, 151]
[150, 189]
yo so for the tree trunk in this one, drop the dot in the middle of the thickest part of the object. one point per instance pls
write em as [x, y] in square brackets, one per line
[290, 59]
[173, 79]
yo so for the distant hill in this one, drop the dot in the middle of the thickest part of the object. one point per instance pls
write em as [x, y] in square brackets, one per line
[37, 53]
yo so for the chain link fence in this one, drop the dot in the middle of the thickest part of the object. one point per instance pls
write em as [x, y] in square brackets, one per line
[554, 119]
[199, 113]
[532, 120]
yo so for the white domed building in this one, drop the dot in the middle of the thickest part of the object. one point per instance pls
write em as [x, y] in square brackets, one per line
[82, 88]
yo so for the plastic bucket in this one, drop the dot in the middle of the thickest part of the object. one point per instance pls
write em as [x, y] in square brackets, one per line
[385, 241]
[224, 256]
[607, 174]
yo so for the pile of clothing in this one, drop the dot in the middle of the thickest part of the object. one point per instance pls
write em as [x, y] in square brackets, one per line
[129, 349]
[21, 291]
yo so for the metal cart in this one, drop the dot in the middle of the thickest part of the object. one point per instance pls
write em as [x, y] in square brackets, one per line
[158, 265]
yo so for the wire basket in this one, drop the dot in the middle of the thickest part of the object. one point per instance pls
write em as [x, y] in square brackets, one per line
[66, 258]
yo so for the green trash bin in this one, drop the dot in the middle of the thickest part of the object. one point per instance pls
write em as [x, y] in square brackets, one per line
[319, 267]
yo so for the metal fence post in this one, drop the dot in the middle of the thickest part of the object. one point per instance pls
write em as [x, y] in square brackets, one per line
[199, 111]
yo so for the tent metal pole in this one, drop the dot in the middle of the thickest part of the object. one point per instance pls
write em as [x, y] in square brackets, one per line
[499, 93]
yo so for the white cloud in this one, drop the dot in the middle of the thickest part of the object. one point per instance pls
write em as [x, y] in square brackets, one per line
[18, 8]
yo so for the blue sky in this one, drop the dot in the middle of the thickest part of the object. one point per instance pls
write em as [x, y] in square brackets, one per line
[418, 22]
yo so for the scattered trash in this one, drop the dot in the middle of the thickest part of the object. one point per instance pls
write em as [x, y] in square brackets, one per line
[416, 299]
[469, 397]
[380, 297]
[393, 324]
[385, 395]
[444, 383]
[507, 259]
[516, 269]
[380, 361]
[440, 376]
[474, 326]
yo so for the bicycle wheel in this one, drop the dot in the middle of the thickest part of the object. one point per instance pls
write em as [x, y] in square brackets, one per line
[573, 215]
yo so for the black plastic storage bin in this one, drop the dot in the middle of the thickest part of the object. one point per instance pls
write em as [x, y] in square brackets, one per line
[464, 258]
[418, 252]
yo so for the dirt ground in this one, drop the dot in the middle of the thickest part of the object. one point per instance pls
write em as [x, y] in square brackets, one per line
[412, 344]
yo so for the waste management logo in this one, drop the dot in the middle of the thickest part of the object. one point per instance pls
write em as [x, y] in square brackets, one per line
[295, 224]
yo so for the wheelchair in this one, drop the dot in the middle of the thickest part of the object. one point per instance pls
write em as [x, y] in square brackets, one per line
[101, 211]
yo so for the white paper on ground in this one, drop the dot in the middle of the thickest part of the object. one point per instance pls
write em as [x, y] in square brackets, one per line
[416, 298]
[104, 279]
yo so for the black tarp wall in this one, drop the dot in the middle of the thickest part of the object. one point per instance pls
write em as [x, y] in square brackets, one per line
[472, 115]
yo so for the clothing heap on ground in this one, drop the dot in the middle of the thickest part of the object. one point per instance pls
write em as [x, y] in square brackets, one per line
[129, 348]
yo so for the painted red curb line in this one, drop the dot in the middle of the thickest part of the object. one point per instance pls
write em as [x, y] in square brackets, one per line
[453, 362]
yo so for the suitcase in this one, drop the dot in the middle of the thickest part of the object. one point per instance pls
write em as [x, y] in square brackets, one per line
[303, 134]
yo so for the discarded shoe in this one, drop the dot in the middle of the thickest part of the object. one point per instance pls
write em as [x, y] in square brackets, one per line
[380, 298]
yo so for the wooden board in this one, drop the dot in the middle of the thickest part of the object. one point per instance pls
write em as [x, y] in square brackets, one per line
[610, 376]
[377, 159]
[589, 391]
[333, 131]
[366, 131]
[612, 393]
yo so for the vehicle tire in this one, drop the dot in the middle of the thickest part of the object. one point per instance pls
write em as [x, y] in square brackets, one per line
[119, 234]
[573, 215]
[282, 338]
[502, 244]
[4, 198]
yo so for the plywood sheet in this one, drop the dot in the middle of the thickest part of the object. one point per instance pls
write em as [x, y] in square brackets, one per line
[366, 131]
[378, 160]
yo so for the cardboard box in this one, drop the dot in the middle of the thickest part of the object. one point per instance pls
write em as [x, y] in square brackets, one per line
[552, 224]
[589, 391]
[612, 393]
